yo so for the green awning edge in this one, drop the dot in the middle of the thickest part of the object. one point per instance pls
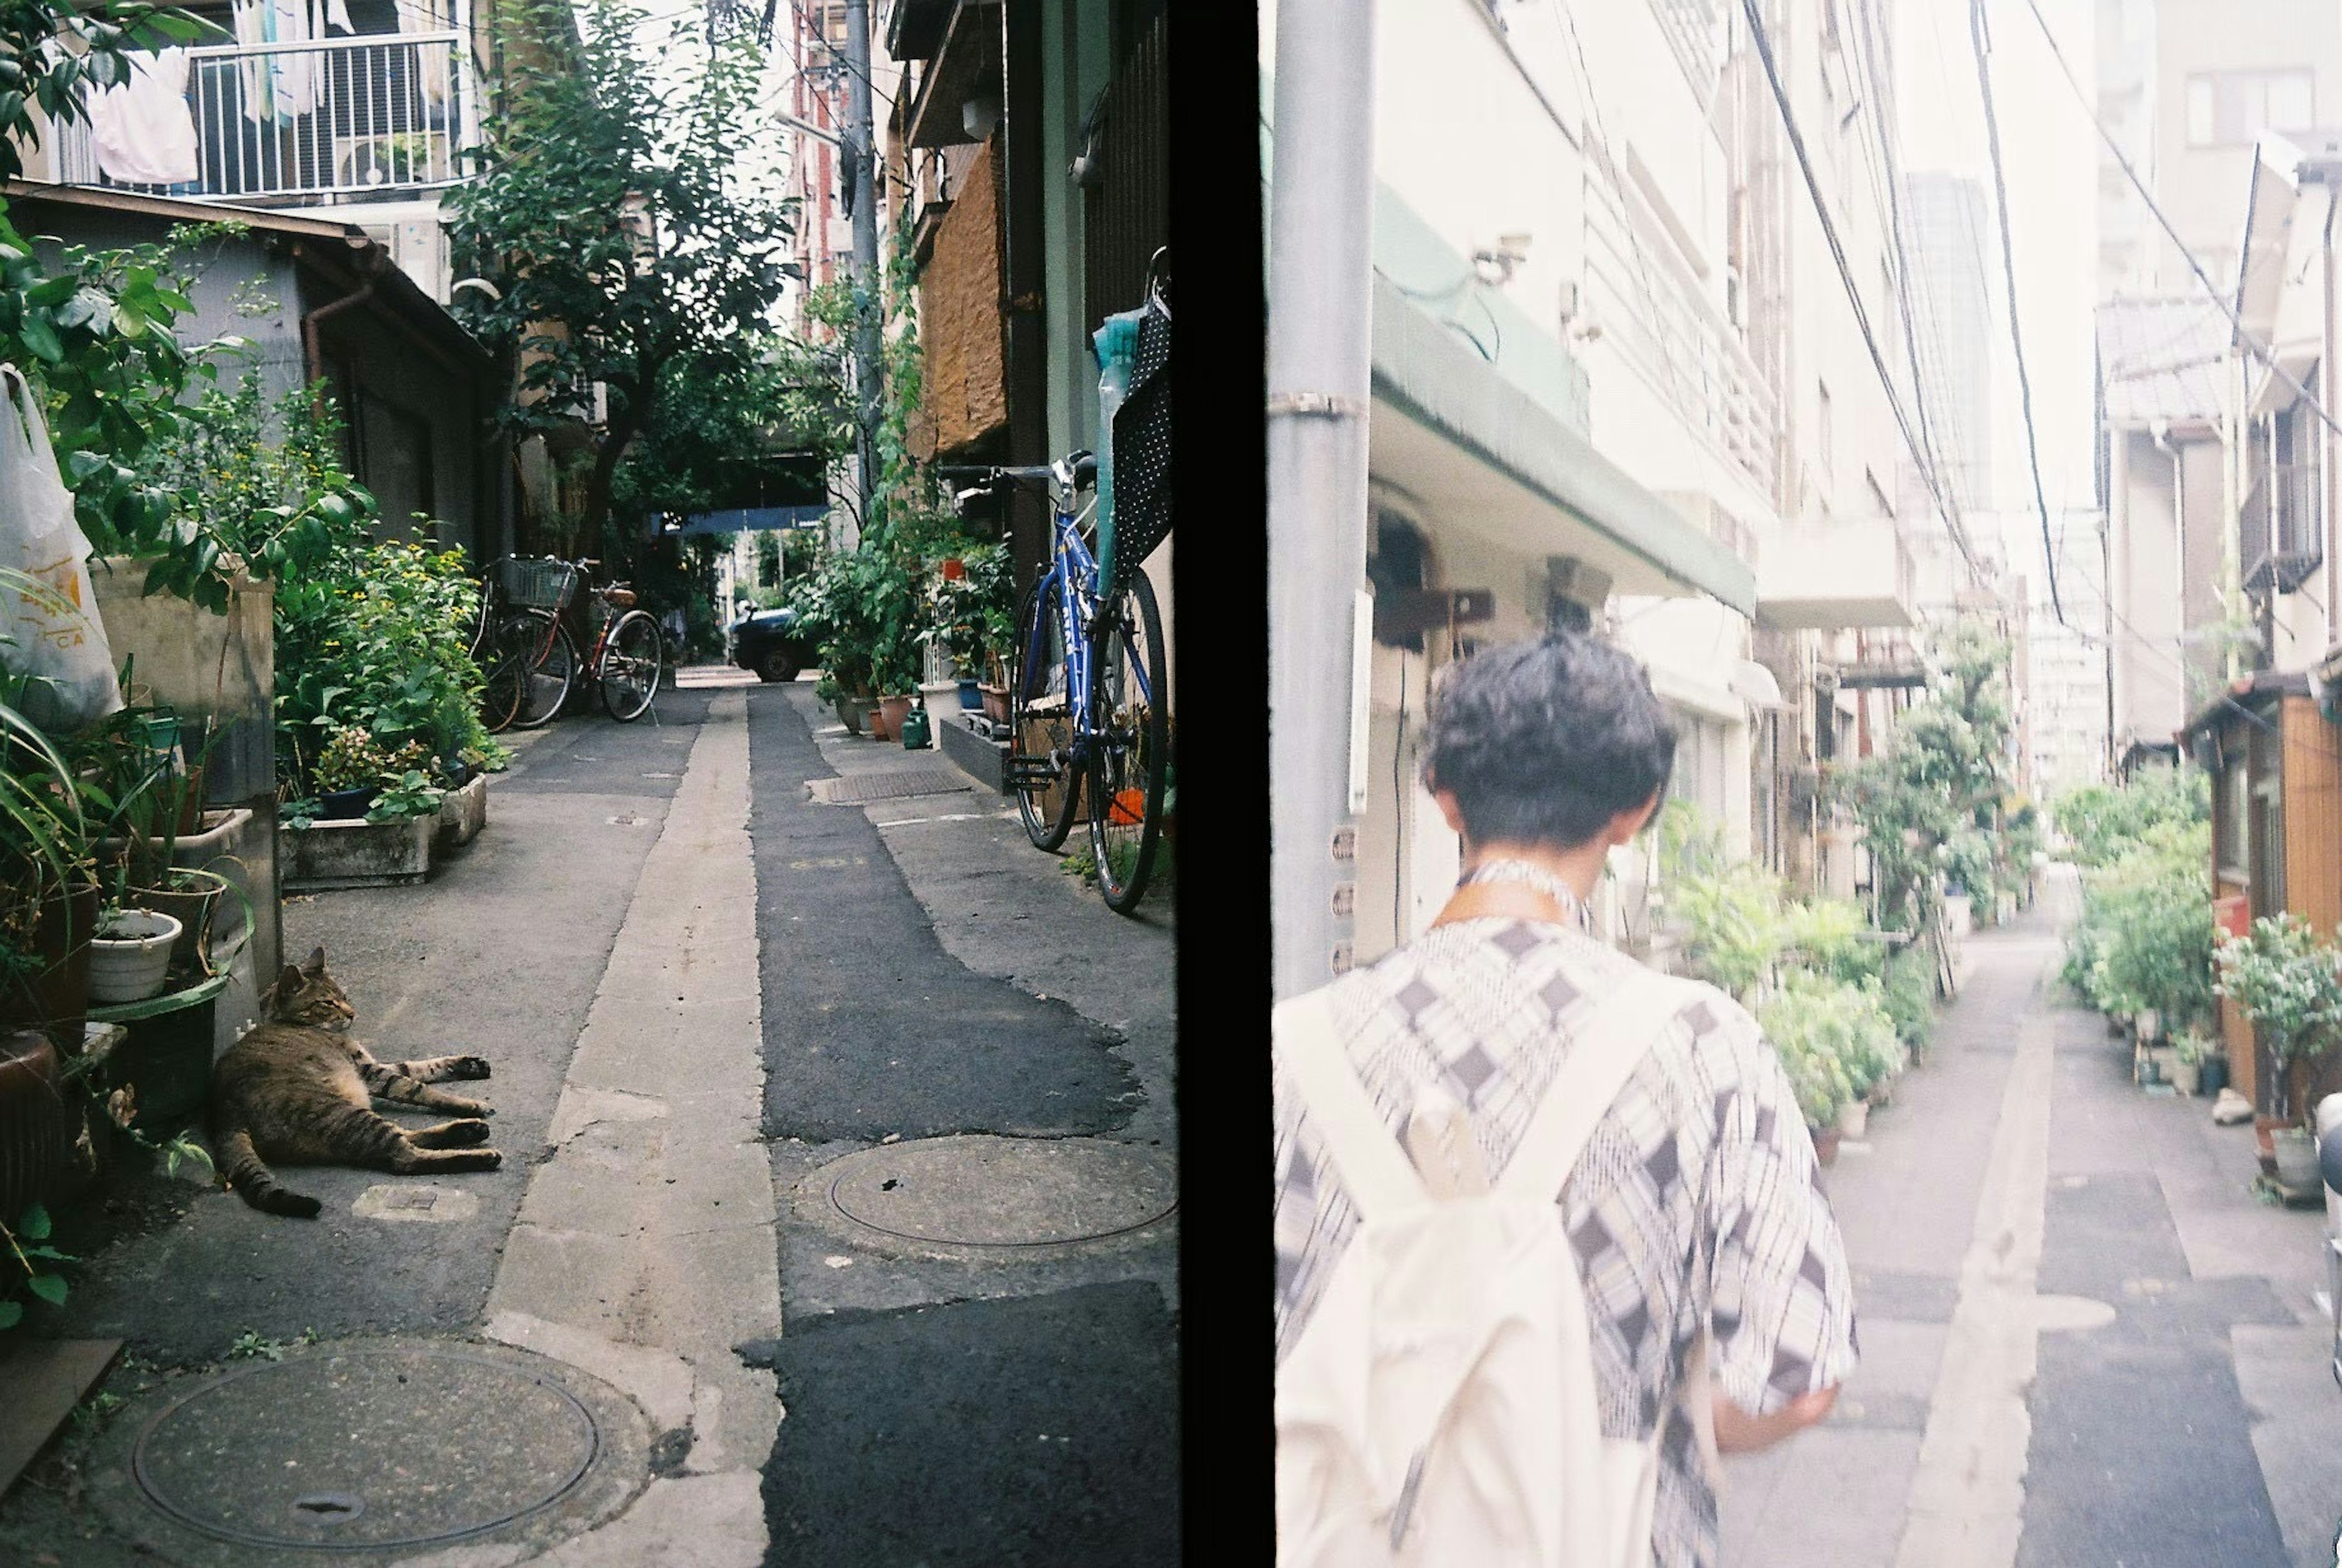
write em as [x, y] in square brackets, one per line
[1424, 370]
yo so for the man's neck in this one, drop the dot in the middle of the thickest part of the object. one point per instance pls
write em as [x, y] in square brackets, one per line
[1578, 868]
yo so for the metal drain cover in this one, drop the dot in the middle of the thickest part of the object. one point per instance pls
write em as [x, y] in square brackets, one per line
[350, 1449]
[888, 783]
[982, 1192]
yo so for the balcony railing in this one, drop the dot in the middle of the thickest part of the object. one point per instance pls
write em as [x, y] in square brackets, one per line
[1676, 339]
[371, 115]
[2279, 540]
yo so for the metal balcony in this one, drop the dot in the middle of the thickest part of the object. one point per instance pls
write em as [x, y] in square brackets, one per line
[2280, 541]
[371, 116]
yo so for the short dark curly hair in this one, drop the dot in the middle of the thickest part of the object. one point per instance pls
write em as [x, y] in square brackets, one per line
[1545, 741]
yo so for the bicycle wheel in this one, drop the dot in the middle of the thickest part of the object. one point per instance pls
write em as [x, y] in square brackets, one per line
[630, 666]
[552, 671]
[1130, 740]
[1041, 724]
[504, 661]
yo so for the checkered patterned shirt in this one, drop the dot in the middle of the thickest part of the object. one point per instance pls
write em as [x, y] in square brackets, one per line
[1695, 1198]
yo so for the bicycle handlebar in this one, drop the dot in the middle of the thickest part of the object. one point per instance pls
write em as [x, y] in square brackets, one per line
[987, 478]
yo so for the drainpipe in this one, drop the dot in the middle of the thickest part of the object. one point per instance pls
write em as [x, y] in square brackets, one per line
[371, 263]
[1320, 372]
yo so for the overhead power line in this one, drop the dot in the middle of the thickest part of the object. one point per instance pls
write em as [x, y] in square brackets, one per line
[1758, 36]
[2259, 349]
[2009, 267]
[1872, 76]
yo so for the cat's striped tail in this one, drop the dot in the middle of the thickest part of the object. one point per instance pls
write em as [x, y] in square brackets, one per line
[240, 1163]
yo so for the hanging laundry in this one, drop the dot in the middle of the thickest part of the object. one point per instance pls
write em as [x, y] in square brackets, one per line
[142, 130]
[251, 30]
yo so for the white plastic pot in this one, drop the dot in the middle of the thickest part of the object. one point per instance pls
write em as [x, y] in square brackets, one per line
[1854, 1118]
[130, 956]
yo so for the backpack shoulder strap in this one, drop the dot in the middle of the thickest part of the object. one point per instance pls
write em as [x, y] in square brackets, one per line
[1614, 1043]
[1374, 1172]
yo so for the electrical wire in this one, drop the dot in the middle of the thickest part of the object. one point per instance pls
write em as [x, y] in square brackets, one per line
[1758, 36]
[2008, 267]
[2259, 349]
[1885, 185]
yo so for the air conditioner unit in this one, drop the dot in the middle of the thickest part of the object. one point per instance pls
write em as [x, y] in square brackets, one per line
[398, 158]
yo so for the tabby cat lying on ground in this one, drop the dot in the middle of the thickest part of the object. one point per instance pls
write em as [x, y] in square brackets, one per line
[297, 1089]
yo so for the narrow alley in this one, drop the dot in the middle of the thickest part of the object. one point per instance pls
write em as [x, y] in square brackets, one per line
[2084, 1339]
[837, 1211]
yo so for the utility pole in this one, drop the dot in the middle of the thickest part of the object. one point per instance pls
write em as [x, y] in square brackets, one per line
[1320, 366]
[862, 163]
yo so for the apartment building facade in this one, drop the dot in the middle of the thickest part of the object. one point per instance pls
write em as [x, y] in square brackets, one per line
[1617, 383]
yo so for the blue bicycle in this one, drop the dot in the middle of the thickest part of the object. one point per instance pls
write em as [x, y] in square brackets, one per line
[1089, 702]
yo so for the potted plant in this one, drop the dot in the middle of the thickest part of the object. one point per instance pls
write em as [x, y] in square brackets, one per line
[1798, 1023]
[49, 899]
[349, 775]
[2283, 978]
[2186, 1068]
[130, 955]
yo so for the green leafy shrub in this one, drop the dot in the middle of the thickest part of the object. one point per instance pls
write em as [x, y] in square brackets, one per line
[2146, 936]
[2284, 977]
[2103, 822]
[1907, 992]
[1834, 1040]
[374, 637]
[1732, 925]
[1830, 936]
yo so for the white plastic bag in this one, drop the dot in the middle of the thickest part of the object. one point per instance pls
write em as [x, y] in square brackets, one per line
[49, 628]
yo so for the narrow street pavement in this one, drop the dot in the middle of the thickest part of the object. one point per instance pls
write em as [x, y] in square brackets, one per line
[836, 1212]
[2085, 1343]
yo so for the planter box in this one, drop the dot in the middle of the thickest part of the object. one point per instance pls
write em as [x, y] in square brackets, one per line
[981, 759]
[463, 813]
[332, 854]
[222, 826]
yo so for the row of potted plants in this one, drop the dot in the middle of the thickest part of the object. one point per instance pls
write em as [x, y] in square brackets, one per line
[1844, 1006]
[877, 611]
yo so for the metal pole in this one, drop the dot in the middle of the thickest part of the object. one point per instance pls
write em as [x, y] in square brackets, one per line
[860, 148]
[1320, 296]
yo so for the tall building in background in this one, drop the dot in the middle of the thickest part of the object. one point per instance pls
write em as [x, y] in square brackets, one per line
[1948, 235]
[813, 37]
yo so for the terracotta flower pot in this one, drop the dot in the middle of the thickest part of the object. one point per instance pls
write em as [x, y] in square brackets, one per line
[191, 902]
[996, 702]
[36, 1130]
[892, 710]
[1825, 1142]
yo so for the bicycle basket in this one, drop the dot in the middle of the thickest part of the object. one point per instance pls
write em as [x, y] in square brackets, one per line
[539, 585]
[1142, 451]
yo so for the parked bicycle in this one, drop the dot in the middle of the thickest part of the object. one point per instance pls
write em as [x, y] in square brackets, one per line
[1089, 702]
[533, 661]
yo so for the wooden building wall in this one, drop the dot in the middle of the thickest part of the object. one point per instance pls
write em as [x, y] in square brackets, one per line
[2313, 843]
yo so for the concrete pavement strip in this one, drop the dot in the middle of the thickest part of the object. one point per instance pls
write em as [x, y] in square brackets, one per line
[645, 1248]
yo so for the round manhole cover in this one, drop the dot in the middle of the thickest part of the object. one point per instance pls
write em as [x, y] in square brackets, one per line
[357, 1448]
[978, 1191]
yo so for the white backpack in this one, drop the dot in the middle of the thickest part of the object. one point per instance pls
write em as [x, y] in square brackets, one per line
[1441, 1406]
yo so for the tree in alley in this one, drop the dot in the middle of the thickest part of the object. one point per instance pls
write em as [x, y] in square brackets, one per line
[634, 234]
[1934, 803]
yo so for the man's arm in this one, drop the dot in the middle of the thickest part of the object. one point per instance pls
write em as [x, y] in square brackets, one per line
[1737, 1431]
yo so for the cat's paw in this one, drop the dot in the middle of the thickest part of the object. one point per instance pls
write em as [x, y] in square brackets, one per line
[461, 1133]
[468, 1067]
[469, 1108]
